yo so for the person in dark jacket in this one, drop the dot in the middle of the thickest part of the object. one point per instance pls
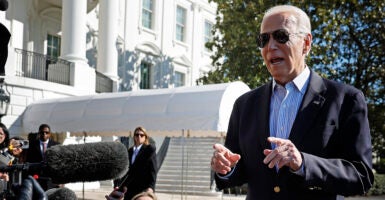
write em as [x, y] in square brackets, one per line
[300, 136]
[36, 154]
[141, 176]
[4, 137]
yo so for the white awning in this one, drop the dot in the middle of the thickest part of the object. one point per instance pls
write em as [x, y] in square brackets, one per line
[199, 110]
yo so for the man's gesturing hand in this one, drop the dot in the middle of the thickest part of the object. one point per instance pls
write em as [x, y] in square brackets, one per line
[223, 159]
[285, 154]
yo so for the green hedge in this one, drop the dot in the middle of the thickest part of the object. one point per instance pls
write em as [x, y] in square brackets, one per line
[378, 187]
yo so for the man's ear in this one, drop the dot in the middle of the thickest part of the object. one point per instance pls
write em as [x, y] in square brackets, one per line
[307, 44]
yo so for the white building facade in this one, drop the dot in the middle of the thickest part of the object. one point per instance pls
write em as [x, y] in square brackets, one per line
[82, 47]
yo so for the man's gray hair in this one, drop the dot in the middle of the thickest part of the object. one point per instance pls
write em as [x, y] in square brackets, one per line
[302, 20]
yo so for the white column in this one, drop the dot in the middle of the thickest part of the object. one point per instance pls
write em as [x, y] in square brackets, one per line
[196, 41]
[107, 54]
[73, 45]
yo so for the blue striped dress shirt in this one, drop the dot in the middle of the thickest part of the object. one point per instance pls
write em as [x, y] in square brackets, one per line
[285, 102]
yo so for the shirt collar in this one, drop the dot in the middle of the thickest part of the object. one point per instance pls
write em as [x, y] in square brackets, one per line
[138, 147]
[299, 81]
[46, 142]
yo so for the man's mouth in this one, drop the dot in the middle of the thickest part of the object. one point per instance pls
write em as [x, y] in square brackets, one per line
[276, 61]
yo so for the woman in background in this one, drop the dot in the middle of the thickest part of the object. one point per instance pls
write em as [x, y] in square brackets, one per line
[141, 176]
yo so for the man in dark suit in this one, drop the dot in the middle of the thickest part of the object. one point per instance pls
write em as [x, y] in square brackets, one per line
[36, 153]
[300, 136]
[142, 172]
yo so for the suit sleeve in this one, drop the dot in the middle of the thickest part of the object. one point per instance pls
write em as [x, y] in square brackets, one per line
[232, 143]
[347, 170]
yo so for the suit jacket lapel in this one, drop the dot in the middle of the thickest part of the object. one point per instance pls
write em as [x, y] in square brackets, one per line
[311, 104]
[130, 153]
[263, 101]
[138, 154]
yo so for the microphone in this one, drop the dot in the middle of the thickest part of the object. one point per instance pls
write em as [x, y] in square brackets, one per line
[3, 5]
[61, 194]
[80, 162]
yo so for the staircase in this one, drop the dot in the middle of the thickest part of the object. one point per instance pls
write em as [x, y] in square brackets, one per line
[186, 167]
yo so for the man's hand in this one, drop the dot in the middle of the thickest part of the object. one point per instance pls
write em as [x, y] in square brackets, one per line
[116, 194]
[285, 154]
[223, 159]
[4, 176]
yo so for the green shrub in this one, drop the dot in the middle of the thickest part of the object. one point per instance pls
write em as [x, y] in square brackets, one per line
[378, 187]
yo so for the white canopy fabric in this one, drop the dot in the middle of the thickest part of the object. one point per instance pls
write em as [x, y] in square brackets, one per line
[199, 110]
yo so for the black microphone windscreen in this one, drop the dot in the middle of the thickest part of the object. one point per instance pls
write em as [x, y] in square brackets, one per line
[3, 5]
[61, 194]
[86, 162]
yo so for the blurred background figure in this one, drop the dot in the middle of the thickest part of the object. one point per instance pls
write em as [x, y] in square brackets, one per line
[18, 148]
[5, 35]
[4, 137]
[145, 196]
[36, 153]
[141, 176]
[4, 143]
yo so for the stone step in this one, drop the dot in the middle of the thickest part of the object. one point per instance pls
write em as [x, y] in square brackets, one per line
[201, 168]
[192, 159]
[187, 161]
[185, 173]
[187, 190]
[192, 193]
[167, 176]
[189, 182]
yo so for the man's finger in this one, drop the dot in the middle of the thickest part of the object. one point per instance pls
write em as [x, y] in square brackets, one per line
[223, 153]
[233, 157]
[124, 189]
[220, 148]
[275, 140]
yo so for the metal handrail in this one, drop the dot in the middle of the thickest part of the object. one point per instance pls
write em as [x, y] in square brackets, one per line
[42, 67]
[162, 152]
[103, 83]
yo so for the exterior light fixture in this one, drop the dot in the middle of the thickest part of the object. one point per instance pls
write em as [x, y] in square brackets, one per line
[5, 98]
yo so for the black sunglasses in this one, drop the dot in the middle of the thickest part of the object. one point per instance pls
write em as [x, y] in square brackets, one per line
[44, 132]
[280, 35]
[138, 134]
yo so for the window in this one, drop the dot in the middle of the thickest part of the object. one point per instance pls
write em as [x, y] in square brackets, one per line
[179, 79]
[147, 13]
[180, 23]
[53, 46]
[207, 34]
[53, 52]
[145, 74]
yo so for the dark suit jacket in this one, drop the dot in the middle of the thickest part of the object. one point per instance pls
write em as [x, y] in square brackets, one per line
[34, 156]
[34, 152]
[142, 173]
[331, 130]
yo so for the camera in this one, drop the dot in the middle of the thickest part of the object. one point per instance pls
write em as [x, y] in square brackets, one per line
[23, 144]
[6, 156]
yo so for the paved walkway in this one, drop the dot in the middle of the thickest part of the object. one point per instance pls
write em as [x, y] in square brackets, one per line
[98, 194]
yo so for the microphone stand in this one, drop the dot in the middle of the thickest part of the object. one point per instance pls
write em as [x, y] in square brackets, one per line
[84, 141]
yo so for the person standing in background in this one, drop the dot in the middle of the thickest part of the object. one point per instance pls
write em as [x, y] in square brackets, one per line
[18, 149]
[36, 153]
[4, 143]
[141, 176]
[4, 137]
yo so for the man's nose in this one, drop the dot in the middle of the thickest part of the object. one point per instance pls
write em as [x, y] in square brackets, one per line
[271, 44]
